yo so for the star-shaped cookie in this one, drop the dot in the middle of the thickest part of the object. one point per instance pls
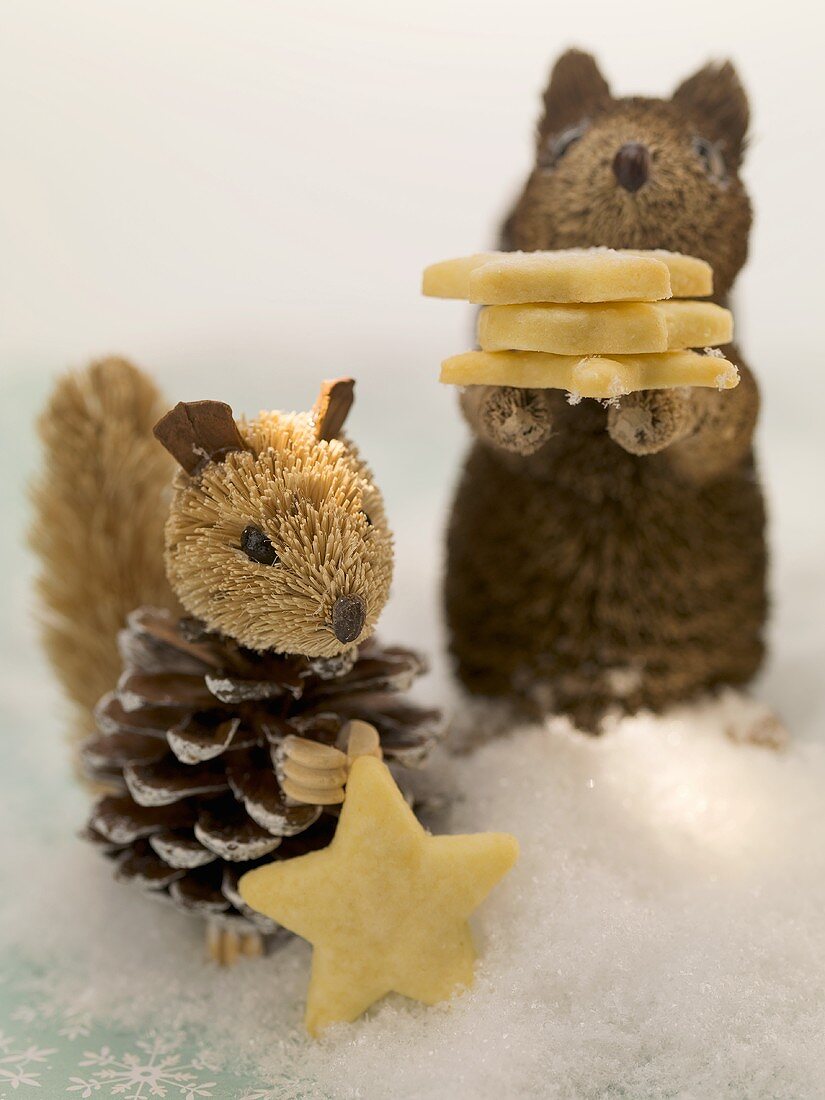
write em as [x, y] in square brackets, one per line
[385, 906]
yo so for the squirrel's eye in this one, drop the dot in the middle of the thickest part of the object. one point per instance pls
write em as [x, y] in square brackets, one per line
[559, 144]
[711, 157]
[257, 546]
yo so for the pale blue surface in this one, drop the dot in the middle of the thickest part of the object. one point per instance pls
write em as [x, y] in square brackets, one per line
[51, 1048]
[57, 1045]
[52, 1044]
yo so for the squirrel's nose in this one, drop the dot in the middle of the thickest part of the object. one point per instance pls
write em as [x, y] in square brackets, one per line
[631, 165]
[348, 616]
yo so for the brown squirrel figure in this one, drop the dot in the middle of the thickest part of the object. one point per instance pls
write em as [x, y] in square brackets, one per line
[608, 559]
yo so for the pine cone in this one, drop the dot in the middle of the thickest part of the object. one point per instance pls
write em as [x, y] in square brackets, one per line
[189, 747]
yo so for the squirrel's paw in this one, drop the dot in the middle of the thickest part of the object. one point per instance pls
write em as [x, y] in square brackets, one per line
[646, 422]
[518, 420]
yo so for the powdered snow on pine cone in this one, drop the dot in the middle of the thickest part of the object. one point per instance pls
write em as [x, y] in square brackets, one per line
[188, 750]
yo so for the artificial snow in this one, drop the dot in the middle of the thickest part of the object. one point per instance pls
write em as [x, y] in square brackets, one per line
[662, 933]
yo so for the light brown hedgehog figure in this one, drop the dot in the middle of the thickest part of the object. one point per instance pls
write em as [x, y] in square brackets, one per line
[219, 736]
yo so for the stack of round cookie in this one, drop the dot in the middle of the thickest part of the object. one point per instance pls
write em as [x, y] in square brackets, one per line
[597, 322]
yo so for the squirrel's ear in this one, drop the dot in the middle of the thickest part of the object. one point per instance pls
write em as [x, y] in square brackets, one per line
[714, 96]
[198, 432]
[332, 407]
[576, 89]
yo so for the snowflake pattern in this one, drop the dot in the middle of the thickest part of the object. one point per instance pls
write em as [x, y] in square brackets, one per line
[289, 1090]
[285, 1086]
[72, 1021]
[15, 1063]
[158, 1070]
[60, 1046]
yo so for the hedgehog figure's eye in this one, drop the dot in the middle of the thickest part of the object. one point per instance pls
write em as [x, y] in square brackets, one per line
[257, 546]
[711, 157]
[366, 516]
[559, 144]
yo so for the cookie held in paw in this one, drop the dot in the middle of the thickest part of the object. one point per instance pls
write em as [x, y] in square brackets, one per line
[595, 376]
[569, 275]
[589, 321]
[604, 328]
[385, 906]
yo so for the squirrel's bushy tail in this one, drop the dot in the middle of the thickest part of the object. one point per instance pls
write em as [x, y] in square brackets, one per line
[100, 507]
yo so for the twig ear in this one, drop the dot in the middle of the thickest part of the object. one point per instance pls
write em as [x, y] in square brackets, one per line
[576, 89]
[714, 96]
[332, 407]
[198, 432]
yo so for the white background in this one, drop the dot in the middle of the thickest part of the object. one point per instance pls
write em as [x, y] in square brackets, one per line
[262, 182]
[241, 197]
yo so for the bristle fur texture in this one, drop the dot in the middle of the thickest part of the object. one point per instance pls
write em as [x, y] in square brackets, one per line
[586, 578]
[600, 559]
[693, 201]
[576, 88]
[715, 98]
[313, 504]
[99, 509]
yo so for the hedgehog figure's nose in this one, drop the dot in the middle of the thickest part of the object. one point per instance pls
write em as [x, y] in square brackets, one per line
[348, 616]
[631, 166]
